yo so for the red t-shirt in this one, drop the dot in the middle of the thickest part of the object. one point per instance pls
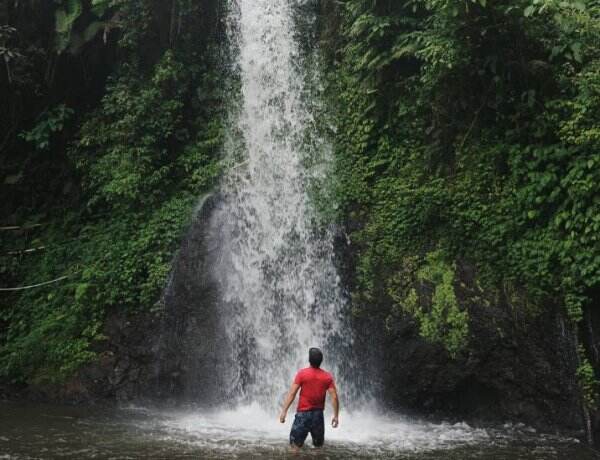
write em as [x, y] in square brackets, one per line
[314, 384]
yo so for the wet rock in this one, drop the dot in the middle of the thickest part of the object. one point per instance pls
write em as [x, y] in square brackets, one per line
[516, 368]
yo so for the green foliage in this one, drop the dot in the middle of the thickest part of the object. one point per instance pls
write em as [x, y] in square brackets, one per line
[588, 383]
[124, 152]
[74, 28]
[99, 7]
[48, 123]
[140, 161]
[472, 127]
[66, 16]
[118, 262]
[442, 321]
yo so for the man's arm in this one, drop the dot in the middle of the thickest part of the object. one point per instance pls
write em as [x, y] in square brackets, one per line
[335, 402]
[288, 401]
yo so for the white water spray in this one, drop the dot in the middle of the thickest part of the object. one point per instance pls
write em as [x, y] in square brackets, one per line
[278, 284]
[279, 292]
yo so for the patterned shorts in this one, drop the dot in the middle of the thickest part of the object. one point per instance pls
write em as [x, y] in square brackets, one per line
[312, 422]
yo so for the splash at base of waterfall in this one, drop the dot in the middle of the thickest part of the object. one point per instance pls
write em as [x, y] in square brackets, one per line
[360, 433]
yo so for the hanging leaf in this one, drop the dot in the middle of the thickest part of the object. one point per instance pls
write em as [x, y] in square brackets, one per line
[64, 20]
[99, 7]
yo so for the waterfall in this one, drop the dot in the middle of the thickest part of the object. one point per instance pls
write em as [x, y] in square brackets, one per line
[272, 279]
[278, 287]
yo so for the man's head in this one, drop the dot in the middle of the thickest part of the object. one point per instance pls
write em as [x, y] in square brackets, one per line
[315, 357]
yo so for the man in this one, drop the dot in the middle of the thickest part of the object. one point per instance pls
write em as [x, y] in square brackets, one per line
[314, 383]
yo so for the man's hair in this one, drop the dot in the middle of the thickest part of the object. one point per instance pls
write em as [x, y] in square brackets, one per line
[315, 357]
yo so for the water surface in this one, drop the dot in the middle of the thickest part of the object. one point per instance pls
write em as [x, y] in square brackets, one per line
[46, 432]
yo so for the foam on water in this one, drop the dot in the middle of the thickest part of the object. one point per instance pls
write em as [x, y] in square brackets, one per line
[251, 427]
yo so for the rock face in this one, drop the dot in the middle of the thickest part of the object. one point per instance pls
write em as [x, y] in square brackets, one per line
[515, 368]
[519, 374]
[125, 366]
[168, 356]
[185, 357]
[126, 363]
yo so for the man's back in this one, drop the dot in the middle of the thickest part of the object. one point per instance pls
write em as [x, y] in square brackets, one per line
[314, 383]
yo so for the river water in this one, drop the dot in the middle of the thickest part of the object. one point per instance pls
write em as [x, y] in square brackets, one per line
[49, 432]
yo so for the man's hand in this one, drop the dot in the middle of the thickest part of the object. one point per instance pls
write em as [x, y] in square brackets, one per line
[288, 401]
[336, 406]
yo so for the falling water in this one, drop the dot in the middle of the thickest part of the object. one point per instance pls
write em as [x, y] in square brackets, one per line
[274, 266]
